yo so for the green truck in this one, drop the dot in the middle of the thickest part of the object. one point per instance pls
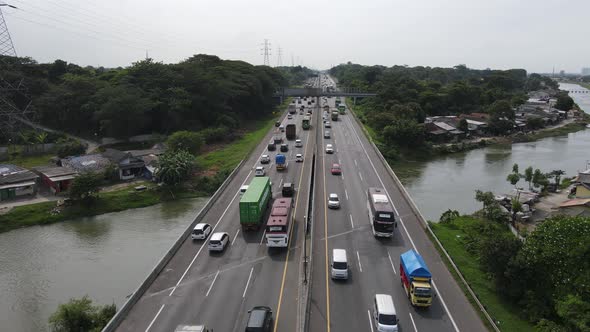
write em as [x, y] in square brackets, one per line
[342, 109]
[254, 203]
[306, 122]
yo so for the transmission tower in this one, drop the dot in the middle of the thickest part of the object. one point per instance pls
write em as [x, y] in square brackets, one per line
[266, 52]
[14, 98]
[279, 60]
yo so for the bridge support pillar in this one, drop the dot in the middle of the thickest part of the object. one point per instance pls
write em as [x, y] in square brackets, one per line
[354, 101]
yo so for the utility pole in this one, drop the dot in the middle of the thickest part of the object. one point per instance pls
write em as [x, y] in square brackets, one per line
[279, 60]
[292, 61]
[14, 98]
[266, 52]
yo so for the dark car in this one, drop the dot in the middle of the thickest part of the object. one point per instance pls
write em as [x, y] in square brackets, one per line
[278, 123]
[272, 146]
[288, 190]
[278, 140]
[260, 320]
[284, 148]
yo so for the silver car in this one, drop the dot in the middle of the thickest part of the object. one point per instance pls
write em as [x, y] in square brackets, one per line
[333, 201]
[218, 241]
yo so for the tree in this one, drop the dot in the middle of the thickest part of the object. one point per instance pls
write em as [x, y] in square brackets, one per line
[448, 216]
[528, 176]
[185, 140]
[174, 167]
[556, 174]
[70, 148]
[539, 179]
[515, 168]
[513, 178]
[495, 251]
[463, 126]
[85, 186]
[564, 102]
[491, 208]
[404, 132]
[80, 315]
[535, 123]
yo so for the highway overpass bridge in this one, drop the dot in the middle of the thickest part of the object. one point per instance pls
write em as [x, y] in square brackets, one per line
[353, 93]
[192, 286]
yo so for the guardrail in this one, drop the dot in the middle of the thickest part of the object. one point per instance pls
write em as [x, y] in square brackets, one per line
[132, 300]
[417, 212]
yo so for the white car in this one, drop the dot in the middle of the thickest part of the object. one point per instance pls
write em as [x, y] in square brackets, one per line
[289, 116]
[265, 159]
[218, 241]
[260, 171]
[282, 128]
[333, 201]
[328, 125]
[298, 143]
[329, 148]
[243, 189]
[201, 231]
[299, 158]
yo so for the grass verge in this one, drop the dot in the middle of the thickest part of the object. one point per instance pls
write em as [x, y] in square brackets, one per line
[114, 201]
[505, 314]
[568, 128]
[31, 161]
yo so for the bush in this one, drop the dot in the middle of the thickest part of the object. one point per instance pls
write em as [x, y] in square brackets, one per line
[212, 135]
[185, 140]
[80, 315]
[71, 148]
[85, 186]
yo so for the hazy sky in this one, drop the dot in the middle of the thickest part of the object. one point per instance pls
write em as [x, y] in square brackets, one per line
[535, 35]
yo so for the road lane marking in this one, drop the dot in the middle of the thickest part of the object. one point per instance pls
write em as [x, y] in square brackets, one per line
[392, 266]
[290, 235]
[326, 244]
[355, 163]
[203, 245]
[346, 193]
[337, 235]
[370, 320]
[262, 238]
[280, 182]
[248, 283]
[361, 176]
[413, 323]
[235, 236]
[359, 259]
[351, 222]
[216, 274]
[153, 320]
[402, 223]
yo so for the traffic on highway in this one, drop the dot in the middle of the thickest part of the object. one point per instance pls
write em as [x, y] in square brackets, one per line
[272, 255]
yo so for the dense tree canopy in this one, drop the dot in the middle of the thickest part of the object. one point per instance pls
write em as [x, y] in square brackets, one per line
[200, 92]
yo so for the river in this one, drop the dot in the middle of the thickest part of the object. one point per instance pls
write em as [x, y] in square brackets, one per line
[105, 256]
[450, 181]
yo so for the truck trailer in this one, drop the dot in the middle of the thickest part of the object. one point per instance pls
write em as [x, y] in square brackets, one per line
[291, 131]
[292, 108]
[281, 162]
[334, 115]
[254, 203]
[416, 279]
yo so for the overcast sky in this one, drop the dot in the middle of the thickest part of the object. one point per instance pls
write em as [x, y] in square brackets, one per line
[531, 34]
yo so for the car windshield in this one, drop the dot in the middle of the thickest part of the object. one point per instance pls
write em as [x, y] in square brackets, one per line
[197, 231]
[340, 265]
[387, 319]
[422, 292]
[334, 199]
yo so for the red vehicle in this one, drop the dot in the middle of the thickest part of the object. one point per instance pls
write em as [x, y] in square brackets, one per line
[277, 226]
[336, 170]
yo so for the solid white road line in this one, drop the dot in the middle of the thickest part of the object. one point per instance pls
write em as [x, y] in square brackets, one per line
[412, 319]
[262, 239]
[247, 283]
[390, 261]
[153, 320]
[361, 176]
[402, 223]
[355, 163]
[359, 259]
[370, 320]
[351, 222]
[281, 183]
[203, 245]
[216, 274]
[235, 236]
[346, 193]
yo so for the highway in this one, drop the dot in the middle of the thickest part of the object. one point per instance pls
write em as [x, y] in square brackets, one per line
[374, 263]
[218, 289]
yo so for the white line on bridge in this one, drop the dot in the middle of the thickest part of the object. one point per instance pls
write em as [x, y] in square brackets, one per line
[359, 259]
[392, 266]
[247, 283]
[210, 287]
[262, 239]
[235, 236]
[412, 319]
[281, 183]
[351, 222]
[153, 320]
[355, 163]
[361, 176]
[346, 193]
[370, 320]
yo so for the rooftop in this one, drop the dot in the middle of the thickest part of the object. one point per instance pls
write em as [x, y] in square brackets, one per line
[53, 171]
[14, 174]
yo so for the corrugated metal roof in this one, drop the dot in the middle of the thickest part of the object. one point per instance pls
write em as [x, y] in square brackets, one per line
[444, 126]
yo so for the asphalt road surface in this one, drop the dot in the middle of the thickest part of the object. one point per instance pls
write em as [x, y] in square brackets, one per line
[374, 262]
[217, 289]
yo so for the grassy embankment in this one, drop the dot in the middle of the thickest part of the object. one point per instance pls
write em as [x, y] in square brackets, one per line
[30, 161]
[504, 313]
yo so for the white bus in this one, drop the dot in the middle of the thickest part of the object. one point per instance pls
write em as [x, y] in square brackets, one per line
[381, 213]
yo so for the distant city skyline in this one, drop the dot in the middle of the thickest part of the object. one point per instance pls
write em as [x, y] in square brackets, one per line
[533, 35]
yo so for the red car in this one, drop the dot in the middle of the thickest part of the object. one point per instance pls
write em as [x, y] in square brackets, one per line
[336, 170]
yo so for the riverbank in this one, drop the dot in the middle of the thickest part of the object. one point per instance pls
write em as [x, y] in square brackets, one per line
[453, 236]
[114, 201]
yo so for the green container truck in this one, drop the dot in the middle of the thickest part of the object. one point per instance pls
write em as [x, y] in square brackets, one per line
[254, 203]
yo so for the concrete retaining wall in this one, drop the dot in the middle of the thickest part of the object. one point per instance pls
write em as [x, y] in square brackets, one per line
[124, 310]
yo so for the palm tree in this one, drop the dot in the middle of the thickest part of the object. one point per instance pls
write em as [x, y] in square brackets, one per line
[41, 137]
[557, 173]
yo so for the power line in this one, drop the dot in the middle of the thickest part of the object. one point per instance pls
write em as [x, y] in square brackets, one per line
[279, 60]
[266, 52]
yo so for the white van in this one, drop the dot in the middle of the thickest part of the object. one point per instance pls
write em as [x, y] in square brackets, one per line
[339, 264]
[384, 313]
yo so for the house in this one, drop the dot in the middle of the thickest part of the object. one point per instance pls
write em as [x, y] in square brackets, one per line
[57, 179]
[435, 134]
[16, 181]
[582, 188]
[129, 167]
[86, 163]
